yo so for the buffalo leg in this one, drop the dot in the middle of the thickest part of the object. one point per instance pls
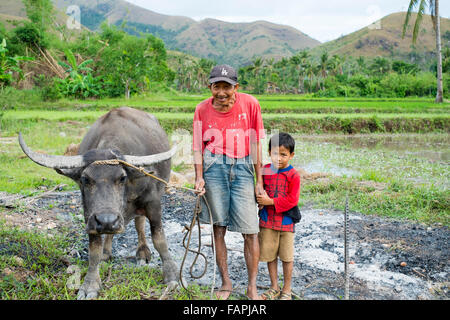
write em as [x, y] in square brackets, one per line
[143, 254]
[107, 247]
[92, 282]
[170, 269]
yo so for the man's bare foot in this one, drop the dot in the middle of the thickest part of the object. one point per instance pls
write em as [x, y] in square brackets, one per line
[252, 294]
[224, 292]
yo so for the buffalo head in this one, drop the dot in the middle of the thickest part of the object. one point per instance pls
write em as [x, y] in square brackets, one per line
[104, 188]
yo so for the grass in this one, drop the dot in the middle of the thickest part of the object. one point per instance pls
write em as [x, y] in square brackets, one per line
[184, 103]
[33, 266]
[422, 204]
[13, 121]
[19, 174]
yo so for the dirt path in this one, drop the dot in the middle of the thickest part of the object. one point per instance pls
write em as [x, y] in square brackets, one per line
[390, 259]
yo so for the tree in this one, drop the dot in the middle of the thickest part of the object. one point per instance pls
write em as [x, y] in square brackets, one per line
[40, 13]
[434, 11]
[129, 63]
[361, 62]
[380, 65]
[9, 65]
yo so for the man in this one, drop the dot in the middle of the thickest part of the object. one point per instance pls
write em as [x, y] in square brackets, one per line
[227, 159]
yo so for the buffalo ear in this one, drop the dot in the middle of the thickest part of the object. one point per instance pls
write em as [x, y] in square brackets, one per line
[74, 174]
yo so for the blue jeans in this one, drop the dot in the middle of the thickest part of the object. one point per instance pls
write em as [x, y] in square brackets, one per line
[230, 192]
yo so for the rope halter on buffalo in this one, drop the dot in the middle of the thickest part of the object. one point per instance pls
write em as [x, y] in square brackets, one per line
[197, 210]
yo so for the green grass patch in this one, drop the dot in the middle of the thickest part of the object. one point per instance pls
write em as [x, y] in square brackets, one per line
[18, 174]
[424, 204]
[184, 103]
[13, 121]
[33, 266]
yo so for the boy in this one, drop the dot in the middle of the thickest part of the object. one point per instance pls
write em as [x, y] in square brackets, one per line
[279, 214]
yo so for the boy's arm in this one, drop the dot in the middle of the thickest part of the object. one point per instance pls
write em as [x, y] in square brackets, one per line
[289, 201]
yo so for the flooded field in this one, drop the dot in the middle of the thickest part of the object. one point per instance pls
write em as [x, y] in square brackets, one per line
[417, 158]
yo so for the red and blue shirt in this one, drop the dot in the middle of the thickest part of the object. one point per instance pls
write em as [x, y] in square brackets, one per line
[283, 186]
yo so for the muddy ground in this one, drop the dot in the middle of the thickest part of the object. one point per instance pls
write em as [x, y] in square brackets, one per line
[389, 259]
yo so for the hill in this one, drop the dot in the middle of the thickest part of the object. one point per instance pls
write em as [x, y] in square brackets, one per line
[233, 43]
[384, 38]
[12, 11]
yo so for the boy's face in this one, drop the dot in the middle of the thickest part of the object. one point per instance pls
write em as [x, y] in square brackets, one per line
[280, 157]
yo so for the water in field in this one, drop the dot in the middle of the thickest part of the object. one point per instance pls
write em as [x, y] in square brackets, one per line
[417, 158]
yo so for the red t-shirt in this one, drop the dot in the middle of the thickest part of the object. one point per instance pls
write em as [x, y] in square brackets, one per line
[228, 133]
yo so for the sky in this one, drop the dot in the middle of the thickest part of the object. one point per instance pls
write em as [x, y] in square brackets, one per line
[322, 20]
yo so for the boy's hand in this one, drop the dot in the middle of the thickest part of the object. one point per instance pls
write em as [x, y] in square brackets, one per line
[264, 199]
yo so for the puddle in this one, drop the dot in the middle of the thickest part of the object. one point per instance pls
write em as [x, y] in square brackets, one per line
[417, 158]
[433, 147]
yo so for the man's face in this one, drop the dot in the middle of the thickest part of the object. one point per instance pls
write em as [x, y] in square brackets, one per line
[223, 92]
[280, 157]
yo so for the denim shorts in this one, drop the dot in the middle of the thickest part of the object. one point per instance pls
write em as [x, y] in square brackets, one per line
[230, 192]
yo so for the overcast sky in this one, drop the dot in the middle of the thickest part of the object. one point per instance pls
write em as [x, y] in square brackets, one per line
[320, 19]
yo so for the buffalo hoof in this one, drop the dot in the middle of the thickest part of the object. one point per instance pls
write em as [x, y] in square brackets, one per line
[143, 256]
[106, 256]
[89, 289]
[170, 272]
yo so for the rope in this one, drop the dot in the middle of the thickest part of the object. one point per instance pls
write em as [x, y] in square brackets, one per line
[197, 211]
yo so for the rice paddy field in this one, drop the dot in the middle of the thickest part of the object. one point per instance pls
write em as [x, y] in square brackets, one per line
[397, 145]
[390, 157]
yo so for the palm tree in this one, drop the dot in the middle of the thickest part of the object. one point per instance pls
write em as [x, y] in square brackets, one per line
[434, 11]
[324, 64]
[361, 64]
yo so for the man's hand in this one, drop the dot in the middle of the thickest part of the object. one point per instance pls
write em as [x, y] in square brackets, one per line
[200, 186]
[264, 199]
[259, 188]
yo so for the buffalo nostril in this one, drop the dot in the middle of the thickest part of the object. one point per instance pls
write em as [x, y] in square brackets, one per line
[107, 222]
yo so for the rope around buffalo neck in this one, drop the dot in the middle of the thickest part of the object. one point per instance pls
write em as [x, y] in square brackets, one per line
[197, 210]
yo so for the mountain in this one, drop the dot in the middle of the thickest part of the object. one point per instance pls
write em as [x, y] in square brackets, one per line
[233, 43]
[384, 38]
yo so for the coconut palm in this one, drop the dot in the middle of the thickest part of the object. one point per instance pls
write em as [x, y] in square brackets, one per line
[433, 6]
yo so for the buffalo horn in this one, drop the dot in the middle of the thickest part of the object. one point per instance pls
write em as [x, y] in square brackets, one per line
[151, 159]
[51, 161]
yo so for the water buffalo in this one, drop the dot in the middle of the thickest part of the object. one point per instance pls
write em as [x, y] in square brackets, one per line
[112, 195]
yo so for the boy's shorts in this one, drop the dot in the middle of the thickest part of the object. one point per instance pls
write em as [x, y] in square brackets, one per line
[273, 243]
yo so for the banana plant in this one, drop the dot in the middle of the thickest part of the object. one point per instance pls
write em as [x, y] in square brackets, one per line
[80, 82]
[73, 68]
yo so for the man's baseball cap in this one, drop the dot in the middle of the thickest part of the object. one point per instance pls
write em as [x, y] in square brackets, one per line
[223, 72]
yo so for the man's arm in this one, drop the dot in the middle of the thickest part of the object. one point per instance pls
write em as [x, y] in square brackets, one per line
[256, 154]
